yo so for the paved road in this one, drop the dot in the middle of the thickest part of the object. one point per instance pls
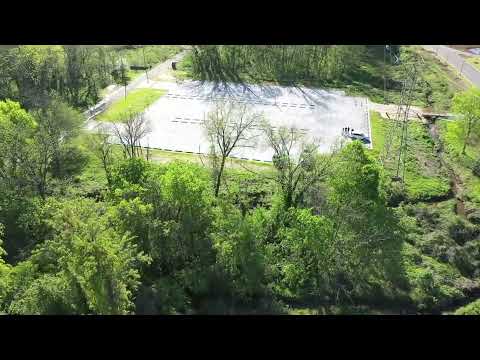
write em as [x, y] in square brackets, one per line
[139, 82]
[452, 57]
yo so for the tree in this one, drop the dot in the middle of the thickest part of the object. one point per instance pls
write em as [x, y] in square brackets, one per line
[101, 146]
[365, 232]
[86, 267]
[239, 253]
[58, 124]
[168, 212]
[228, 126]
[17, 128]
[35, 71]
[130, 131]
[467, 104]
[301, 258]
[298, 164]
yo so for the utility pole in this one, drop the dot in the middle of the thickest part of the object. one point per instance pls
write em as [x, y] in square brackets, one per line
[385, 74]
[124, 78]
[402, 152]
[396, 141]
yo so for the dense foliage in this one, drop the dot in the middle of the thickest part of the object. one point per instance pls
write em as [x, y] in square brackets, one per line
[31, 75]
[87, 229]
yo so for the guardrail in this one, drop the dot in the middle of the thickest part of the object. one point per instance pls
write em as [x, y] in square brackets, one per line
[95, 110]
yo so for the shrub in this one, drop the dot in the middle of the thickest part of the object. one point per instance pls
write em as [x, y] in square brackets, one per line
[395, 194]
[470, 309]
[476, 167]
[461, 231]
[433, 285]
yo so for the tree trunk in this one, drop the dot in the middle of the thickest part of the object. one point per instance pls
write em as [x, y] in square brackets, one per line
[219, 177]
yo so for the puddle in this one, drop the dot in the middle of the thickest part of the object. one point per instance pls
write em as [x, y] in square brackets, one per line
[475, 51]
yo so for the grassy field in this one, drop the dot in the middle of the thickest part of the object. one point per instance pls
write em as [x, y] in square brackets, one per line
[475, 61]
[434, 90]
[425, 180]
[94, 168]
[164, 156]
[136, 101]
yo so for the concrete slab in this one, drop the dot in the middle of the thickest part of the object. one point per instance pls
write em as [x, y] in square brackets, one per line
[176, 118]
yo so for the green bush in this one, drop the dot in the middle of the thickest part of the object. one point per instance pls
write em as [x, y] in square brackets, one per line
[433, 285]
[470, 309]
[395, 193]
[462, 231]
[476, 168]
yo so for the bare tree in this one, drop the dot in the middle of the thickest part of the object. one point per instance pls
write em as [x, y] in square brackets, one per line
[298, 163]
[130, 132]
[228, 126]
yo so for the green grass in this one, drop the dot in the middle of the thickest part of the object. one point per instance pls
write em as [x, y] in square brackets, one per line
[136, 101]
[94, 170]
[164, 156]
[424, 178]
[435, 87]
[462, 164]
[379, 130]
[422, 188]
[475, 61]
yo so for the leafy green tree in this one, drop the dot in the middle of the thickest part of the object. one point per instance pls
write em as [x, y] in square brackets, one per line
[281, 63]
[366, 234]
[17, 128]
[87, 267]
[128, 177]
[298, 164]
[239, 253]
[467, 104]
[54, 154]
[301, 258]
[36, 72]
[174, 229]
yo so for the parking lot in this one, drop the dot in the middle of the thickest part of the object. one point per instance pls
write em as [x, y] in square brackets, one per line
[176, 118]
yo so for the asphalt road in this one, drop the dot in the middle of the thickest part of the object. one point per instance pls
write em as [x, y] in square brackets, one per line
[452, 57]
